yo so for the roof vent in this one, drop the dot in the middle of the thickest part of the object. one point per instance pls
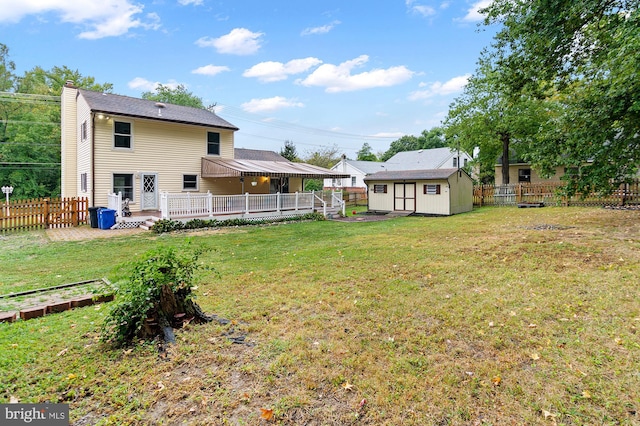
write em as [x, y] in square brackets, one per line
[160, 105]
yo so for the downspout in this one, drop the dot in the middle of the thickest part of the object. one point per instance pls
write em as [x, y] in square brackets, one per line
[93, 156]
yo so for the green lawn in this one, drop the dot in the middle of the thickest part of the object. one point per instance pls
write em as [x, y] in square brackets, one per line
[498, 316]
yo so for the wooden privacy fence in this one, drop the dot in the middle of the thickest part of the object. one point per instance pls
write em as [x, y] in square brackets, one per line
[43, 213]
[552, 194]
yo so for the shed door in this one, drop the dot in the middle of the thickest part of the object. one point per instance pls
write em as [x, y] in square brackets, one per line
[404, 196]
[149, 191]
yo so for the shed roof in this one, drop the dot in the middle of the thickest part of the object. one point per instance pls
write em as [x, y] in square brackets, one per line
[223, 167]
[431, 174]
[127, 106]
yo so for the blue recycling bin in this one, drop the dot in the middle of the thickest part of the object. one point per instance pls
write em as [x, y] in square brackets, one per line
[106, 218]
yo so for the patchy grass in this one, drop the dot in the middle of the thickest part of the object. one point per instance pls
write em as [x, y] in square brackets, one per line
[498, 316]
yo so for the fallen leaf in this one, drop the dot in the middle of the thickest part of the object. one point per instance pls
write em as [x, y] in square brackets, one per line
[496, 380]
[547, 414]
[347, 386]
[127, 352]
[267, 413]
[532, 326]
[362, 403]
[71, 376]
[13, 400]
[490, 323]
[535, 356]
[586, 394]
[62, 352]
[161, 386]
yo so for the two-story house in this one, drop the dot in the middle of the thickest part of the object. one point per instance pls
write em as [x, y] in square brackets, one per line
[113, 143]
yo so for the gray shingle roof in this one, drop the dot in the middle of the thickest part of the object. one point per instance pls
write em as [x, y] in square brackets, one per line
[257, 155]
[141, 108]
[411, 175]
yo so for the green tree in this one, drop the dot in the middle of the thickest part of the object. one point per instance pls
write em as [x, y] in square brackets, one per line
[428, 139]
[325, 157]
[494, 114]
[177, 96]
[366, 153]
[30, 126]
[589, 52]
[289, 151]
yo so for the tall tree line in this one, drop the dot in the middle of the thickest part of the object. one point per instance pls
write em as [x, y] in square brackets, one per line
[30, 126]
[558, 87]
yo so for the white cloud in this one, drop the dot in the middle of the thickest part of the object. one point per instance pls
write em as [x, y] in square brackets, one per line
[210, 70]
[193, 2]
[388, 135]
[473, 14]
[338, 78]
[456, 84]
[145, 85]
[271, 71]
[320, 30]
[419, 9]
[101, 18]
[270, 104]
[240, 41]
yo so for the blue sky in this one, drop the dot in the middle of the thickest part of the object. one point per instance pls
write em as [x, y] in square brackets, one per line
[317, 73]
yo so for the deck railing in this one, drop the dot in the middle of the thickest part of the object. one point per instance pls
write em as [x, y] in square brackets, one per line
[176, 206]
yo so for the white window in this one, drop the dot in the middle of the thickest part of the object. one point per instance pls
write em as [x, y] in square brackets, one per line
[189, 182]
[353, 181]
[123, 182]
[213, 143]
[122, 134]
[83, 182]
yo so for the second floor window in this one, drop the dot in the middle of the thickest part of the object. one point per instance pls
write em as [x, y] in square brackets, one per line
[121, 134]
[213, 143]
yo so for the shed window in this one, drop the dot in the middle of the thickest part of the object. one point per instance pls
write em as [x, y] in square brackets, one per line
[83, 130]
[380, 189]
[430, 189]
[455, 161]
[122, 135]
[353, 181]
[213, 143]
[189, 182]
[123, 182]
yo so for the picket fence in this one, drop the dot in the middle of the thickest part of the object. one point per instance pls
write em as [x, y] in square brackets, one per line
[552, 194]
[43, 213]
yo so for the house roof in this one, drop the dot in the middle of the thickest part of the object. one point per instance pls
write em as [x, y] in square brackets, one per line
[257, 155]
[126, 106]
[431, 174]
[223, 167]
[421, 159]
[366, 167]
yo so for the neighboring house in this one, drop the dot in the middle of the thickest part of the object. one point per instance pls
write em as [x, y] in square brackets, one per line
[439, 192]
[357, 171]
[422, 159]
[521, 172]
[113, 143]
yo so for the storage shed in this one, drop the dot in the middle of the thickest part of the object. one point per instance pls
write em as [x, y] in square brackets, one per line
[440, 192]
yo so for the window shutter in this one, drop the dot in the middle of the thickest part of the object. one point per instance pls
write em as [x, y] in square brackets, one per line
[438, 189]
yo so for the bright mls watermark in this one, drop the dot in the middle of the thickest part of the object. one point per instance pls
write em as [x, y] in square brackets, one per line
[34, 414]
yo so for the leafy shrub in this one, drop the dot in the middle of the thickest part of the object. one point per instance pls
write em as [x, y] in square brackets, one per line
[138, 295]
[166, 225]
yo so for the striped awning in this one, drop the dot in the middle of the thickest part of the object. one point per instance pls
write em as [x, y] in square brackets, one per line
[224, 167]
